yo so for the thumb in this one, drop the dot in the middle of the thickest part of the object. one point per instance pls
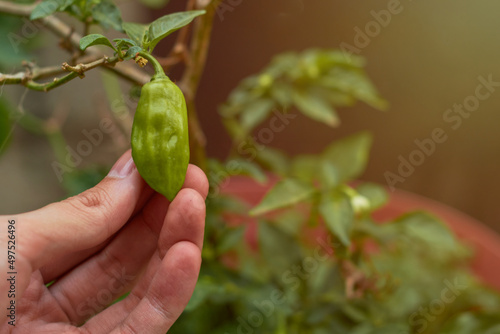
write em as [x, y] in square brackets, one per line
[82, 221]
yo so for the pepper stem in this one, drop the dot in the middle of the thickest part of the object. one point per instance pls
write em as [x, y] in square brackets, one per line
[159, 73]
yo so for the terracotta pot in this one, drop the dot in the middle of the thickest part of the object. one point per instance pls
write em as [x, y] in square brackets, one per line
[484, 241]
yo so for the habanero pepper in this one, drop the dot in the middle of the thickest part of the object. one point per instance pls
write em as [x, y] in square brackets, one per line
[160, 140]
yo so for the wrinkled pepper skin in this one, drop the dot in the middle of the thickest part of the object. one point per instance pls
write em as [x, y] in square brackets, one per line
[160, 141]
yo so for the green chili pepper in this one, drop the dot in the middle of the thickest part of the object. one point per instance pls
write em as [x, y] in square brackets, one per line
[160, 141]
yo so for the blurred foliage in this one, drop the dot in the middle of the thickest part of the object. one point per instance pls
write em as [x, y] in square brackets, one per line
[5, 125]
[322, 265]
[14, 47]
[315, 82]
[318, 263]
[102, 12]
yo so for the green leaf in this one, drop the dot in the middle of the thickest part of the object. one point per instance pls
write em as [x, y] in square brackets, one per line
[108, 15]
[285, 193]
[376, 194]
[49, 7]
[123, 42]
[245, 167]
[255, 112]
[5, 125]
[136, 31]
[168, 24]
[282, 93]
[473, 322]
[94, 39]
[82, 179]
[315, 107]
[155, 4]
[131, 52]
[336, 210]
[273, 159]
[328, 174]
[428, 232]
[280, 250]
[231, 238]
[305, 167]
[355, 83]
[349, 155]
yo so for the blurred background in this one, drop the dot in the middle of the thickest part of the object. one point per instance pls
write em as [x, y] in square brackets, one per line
[424, 61]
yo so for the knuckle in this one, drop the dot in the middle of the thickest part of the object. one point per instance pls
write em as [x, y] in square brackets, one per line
[94, 205]
[96, 197]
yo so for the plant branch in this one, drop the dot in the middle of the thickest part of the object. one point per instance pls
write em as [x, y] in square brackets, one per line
[190, 81]
[61, 29]
[180, 50]
[28, 77]
[81, 68]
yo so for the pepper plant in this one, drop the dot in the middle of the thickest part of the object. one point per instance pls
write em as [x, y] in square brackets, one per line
[318, 262]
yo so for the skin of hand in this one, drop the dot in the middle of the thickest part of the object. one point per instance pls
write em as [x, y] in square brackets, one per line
[117, 237]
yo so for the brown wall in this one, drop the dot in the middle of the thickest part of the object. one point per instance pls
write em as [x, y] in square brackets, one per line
[427, 59]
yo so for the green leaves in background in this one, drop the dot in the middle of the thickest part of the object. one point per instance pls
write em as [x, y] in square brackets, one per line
[49, 7]
[102, 12]
[279, 249]
[260, 111]
[343, 160]
[5, 125]
[155, 3]
[376, 195]
[107, 15]
[80, 180]
[16, 38]
[285, 193]
[349, 156]
[336, 210]
[315, 107]
[315, 82]
[471, 322]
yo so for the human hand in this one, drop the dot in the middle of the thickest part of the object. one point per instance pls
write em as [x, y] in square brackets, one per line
[116, 237]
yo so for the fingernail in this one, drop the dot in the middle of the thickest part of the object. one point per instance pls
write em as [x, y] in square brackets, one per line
[123, 167]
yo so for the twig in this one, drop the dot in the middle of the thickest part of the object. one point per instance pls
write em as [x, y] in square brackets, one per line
[64, 31]
[24, 78]
[180, 50]
[28, 77]
[80, 69]
[190, 80]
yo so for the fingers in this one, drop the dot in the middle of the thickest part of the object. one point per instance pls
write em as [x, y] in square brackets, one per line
[68, 260]
[108, 274]
[85, 220]
[169, 292]
[177, 230]
[185, 221]
[195, 179]
[112, 271]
